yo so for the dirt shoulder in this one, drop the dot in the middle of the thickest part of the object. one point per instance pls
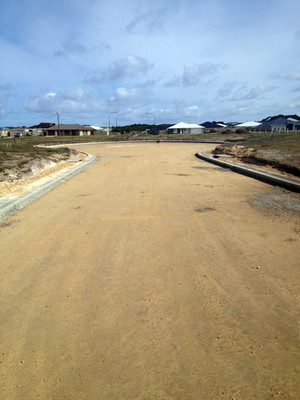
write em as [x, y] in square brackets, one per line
[27, 171]
[20, 163]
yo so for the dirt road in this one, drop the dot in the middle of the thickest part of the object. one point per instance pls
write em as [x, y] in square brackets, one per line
[150, 276]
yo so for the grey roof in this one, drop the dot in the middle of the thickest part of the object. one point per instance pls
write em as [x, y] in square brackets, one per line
[213, 124]
[280, 121]
[70, 127]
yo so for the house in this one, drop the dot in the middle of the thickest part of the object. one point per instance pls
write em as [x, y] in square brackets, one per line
[248, 125]
[5, 132]
[69, 130]
[20, 132]
[99, 130]
[213, 126]
[15, 132]
[183, 127]
[280, 124]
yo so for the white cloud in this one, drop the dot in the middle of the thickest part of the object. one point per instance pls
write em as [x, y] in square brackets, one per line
[174, 82]
[235, 90]
[229, 88]
[293, 74]
[69, 48]
[101, 46]
[7, 90]
[194, 111]
[193, 74]
[71, 101]
[151, 16]
[129, 67]
[130, 97]
[147, 84]
[257, 92]
[50, 95]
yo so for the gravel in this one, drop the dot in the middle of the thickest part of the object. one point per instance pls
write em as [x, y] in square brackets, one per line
[279, 200]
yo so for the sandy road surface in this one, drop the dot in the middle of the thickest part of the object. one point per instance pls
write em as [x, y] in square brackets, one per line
[149, 276]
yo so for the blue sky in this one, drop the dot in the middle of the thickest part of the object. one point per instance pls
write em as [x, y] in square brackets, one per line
[181, 60]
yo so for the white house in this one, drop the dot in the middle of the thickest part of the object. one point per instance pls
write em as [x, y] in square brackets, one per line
[248, 125]
[99, 130]
[183, 127]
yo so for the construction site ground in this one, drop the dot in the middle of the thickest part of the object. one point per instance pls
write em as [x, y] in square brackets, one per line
[151, 274]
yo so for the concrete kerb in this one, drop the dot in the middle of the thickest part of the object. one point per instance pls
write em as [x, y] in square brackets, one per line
[13, 205]
[292, 184]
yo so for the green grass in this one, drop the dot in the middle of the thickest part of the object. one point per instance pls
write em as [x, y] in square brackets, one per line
[25, 146]
[19, 152]
[288, 142]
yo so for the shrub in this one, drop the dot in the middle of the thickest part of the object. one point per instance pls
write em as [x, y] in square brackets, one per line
[242, 131]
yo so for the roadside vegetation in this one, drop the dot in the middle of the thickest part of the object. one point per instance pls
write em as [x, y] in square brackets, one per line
[17, 156]
[280, 150]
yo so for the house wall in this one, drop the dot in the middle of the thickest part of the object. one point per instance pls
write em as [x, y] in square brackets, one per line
[197, 131]
[85, 133]
[193, 131]
[278, 127]
[5, 132]
[68, 133]
[19, 131]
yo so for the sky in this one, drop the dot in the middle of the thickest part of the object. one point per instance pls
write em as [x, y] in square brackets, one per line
[146, 61]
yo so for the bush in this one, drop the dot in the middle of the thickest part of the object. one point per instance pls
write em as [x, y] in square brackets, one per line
[227, 132]
[242, 131]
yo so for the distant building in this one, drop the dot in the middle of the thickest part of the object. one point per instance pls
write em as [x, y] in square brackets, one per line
[5, 132]
[184, 128]
[213, 126]
[20, 132]
[69, 130]
[15, 132]
[280, 124]
[248, 125]
[99, 130]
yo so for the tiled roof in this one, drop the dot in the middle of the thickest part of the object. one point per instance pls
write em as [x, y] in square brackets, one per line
[70, 127]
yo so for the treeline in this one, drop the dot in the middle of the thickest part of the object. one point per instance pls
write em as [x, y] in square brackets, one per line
[139, 128]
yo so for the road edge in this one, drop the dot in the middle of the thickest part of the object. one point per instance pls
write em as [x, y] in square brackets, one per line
[292, 184]
[12, 206]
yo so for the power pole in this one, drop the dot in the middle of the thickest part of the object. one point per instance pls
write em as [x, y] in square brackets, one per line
[58, 123]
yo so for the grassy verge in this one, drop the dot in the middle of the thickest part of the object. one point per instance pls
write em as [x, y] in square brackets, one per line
[288, 142]
[281, 151]
[17, 155]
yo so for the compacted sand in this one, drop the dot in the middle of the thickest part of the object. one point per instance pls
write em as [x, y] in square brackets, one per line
[151, 275]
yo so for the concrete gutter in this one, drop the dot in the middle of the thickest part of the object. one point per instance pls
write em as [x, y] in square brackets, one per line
[283, 181]
[14, 203]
